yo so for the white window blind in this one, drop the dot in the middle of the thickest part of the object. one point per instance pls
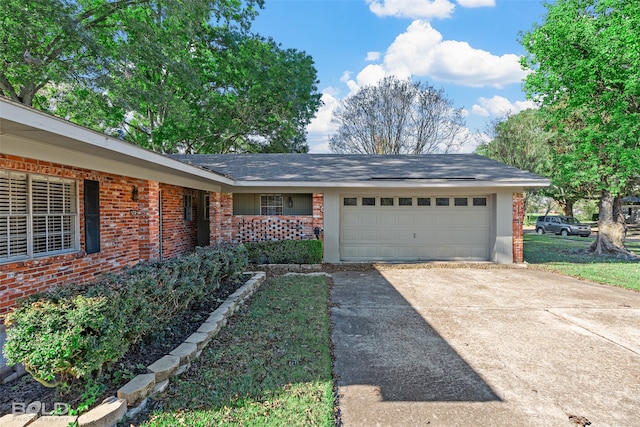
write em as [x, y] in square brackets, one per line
[38, 215]
[13, 215]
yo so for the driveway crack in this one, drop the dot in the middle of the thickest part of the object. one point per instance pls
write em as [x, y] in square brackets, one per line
[591, 331]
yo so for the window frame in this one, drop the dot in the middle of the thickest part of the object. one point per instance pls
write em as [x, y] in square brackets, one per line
[51, 215]
[271, 209]
[187, 204]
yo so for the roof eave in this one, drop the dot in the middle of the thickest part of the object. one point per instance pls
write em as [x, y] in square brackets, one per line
[395, 184]
[20, 124]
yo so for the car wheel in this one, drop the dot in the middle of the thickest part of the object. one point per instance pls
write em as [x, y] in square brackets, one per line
[564, 232]
[540, 230]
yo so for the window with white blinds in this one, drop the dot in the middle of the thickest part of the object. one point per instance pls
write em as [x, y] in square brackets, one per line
[38, 215]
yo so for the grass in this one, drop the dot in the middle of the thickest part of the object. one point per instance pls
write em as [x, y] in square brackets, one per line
[270, 366]
[568, 255]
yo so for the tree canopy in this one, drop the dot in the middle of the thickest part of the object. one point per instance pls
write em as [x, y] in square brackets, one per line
[523, 140]
[397, 117]
[170, 75]
[585, 60]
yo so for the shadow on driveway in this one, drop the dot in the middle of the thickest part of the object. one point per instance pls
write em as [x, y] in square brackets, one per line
[381, 341]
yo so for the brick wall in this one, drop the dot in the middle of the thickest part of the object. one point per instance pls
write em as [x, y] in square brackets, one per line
[518, 232]
[129, 231]
[178, 235]
[247, 228]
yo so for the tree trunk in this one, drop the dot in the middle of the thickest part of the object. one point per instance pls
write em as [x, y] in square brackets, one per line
[611, 228]
[567, 207]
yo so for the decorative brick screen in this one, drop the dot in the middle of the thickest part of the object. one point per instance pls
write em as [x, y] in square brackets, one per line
[256, 229]
[227, 227]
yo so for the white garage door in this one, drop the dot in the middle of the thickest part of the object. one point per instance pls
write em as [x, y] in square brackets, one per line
[414, 228]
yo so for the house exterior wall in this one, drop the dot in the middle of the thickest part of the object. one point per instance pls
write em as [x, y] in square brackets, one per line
[129, 230]
[227, 227]
[179, 236]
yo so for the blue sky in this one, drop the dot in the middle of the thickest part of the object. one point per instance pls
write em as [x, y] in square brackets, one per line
[469, 48]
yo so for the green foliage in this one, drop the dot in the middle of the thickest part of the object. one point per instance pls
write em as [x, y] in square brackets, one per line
[168, 75]
[285, 252]
[585, 60]
[72, 331]
[524, 141]
[521, 141]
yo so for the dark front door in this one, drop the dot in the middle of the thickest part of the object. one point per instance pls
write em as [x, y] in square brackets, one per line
[202, 218]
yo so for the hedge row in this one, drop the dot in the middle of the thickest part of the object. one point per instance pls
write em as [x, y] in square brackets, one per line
[285, 252]
[73, 331]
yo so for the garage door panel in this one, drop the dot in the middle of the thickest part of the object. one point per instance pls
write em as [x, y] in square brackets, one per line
[387, 235]
[349, 219]
[406, 219]
[385, 218]
[398, 233]
[423, 218]
[368, 220]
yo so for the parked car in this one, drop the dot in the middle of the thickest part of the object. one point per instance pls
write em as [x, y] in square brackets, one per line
[564, 225]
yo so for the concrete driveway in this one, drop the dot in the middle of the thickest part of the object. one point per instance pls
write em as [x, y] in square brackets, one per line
[484, 347]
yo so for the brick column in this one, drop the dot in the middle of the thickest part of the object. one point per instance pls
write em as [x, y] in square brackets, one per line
[221, 217]
[518, 232]
[318, 212]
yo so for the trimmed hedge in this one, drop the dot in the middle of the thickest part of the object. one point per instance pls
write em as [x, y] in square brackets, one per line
[285, 252]
[72, 331]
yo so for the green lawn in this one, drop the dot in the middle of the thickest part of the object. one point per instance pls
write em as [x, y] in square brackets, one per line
[568, 255]
[270, 366]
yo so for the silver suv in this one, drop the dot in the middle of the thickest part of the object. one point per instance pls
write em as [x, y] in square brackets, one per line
[564, 225]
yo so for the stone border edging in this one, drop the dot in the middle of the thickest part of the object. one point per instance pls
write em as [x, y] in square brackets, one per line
[132, 397]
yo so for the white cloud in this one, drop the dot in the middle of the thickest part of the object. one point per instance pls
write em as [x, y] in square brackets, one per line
[480, 111]
[421, 51]
[373, 56]
[499, 106]
[476, 3]
[320, 126]
[422, 9]
[426, 9]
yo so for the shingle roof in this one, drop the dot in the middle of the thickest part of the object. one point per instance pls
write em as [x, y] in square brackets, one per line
[355, 167]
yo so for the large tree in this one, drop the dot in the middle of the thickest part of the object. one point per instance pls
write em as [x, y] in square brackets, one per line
[524, 141]
[585, 60]
[397, 116]
[170, 75]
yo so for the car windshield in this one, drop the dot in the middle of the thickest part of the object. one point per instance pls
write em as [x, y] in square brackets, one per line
[570, 220]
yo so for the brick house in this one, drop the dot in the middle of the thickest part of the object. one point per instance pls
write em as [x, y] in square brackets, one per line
[76, 203]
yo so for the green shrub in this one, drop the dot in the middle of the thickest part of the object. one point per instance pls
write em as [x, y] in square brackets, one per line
[285, 252]
[72, 331]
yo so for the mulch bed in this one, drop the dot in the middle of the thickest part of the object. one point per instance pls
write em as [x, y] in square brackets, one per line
[27, 390]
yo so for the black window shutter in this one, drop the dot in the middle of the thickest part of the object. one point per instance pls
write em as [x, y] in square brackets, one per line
[92, 216]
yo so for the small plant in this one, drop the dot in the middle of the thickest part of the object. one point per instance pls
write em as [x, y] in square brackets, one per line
[285, 252]
[92, 391]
